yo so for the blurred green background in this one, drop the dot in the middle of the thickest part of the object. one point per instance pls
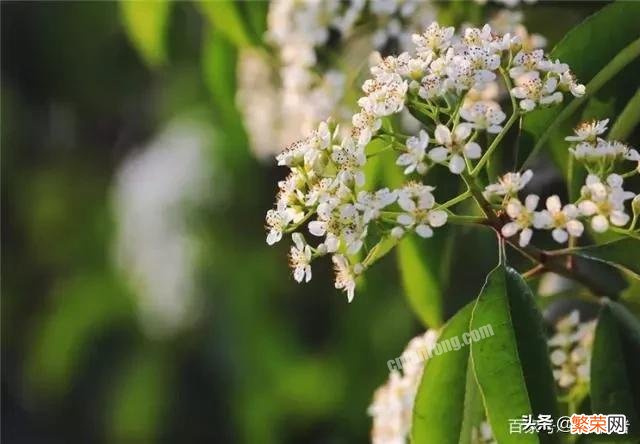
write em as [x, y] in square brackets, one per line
[129, 315]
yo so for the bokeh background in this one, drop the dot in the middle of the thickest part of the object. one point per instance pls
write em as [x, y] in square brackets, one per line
[140, 302]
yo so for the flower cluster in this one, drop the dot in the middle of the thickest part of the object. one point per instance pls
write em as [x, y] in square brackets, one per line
[541, 81]
[599, 156]
[601, 203]
[570, 349]
[442, 85]
[305, 86]
[392, 404]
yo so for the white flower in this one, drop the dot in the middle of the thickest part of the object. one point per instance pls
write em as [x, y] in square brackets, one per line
[522, 217]
[392, 65]
[321, 191]
[484, 115]
[417, 201]
[328, 225]
[510, 184]
[452, 147]
[474, 69]
[413, 159]
[567, 82]
[431, 86]
[277, 221]
[349, 159]
[588, 131]
[345, 278]
[370, 204]
[563, 220]
[630, 153]
[300, 258]
[533, 91]
[528, 62]
[353, 228]
[434, 39]
[385, 95]
[293, 154]
[365, 126]
[476, 37]
[604, 203]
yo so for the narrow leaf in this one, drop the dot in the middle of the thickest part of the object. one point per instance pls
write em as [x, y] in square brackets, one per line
[145, 23]
[627, 120]
[224, 17]
[218, 69]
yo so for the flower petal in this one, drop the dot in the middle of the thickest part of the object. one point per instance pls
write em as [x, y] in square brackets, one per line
[559, 235]
[424, 230]
[456, 164]
[525, 237]
[439, 154]
[473, 150]
[437, 218]
[443, 135]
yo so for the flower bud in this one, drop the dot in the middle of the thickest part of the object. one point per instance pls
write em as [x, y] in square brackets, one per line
[635, 205]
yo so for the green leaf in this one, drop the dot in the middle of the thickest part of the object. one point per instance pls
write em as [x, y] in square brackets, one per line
[218, 60]
[140, 397]
[590, 58]
[441, 395]
[512, 367]
[611, 387]
[146, 23]
[623, 254]
[627, 120]
[218, 69]
[420, 283]
[224, 17]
